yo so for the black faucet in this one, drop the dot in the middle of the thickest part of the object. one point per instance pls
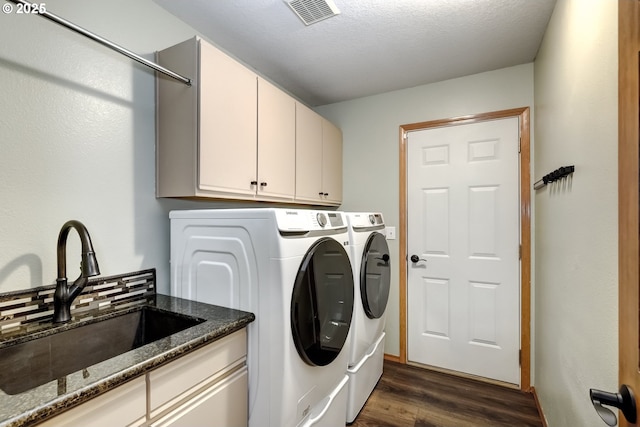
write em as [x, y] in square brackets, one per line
[64, 294]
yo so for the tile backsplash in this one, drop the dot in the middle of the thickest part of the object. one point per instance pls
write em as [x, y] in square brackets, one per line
[31, 306]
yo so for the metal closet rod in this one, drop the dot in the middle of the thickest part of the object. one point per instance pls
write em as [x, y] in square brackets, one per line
[103, 41]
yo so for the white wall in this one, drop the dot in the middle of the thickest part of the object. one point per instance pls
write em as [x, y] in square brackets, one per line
[370, 133]
[77, 135]
[576, 336]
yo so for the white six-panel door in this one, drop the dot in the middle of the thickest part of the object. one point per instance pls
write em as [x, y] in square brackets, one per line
[463, 310]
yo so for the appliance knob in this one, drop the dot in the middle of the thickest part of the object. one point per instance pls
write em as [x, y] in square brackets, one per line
[322, 219]
[372, 219]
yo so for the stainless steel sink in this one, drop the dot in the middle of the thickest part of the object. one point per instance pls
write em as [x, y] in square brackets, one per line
[36, 362]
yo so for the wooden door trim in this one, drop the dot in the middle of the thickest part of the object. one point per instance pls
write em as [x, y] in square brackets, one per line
[628, 194]
[525, 229]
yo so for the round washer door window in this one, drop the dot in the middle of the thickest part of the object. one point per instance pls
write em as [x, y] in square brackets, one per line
[375, 276]
[322, 303]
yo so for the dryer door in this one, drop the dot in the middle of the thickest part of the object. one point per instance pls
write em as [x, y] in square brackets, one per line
[375, 276]
[322, 303]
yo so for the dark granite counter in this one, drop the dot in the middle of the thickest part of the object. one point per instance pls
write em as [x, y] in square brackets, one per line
[42, 402]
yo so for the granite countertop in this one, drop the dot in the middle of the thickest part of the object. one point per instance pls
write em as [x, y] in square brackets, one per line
[39, 403]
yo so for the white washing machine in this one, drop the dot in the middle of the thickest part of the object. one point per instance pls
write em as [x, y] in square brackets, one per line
[372, 274]
[290, 268]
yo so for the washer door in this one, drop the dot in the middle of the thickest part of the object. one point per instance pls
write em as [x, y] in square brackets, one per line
[375, 276]
[322, 303]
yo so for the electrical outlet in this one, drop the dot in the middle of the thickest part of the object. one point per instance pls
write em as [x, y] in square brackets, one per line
[390, 233]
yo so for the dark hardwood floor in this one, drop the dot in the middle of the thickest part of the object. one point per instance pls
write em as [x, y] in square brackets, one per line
[407, 396]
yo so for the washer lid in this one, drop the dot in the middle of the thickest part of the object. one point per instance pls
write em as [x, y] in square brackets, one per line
[375, 276]
[322, 302]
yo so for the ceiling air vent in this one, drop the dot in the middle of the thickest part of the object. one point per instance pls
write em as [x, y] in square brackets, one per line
[312, 11]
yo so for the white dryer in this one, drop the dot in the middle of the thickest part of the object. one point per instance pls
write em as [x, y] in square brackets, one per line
[290, 268]
[372, 273]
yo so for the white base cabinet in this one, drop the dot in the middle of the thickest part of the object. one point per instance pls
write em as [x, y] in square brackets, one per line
[123, 406]
[207, 388]
[213, 406]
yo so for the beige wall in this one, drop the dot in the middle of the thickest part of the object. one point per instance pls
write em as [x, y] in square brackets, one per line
[370, 133]
[77, 135]
[576, 222]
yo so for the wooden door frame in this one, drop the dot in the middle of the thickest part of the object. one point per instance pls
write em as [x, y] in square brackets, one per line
[628, 196]
[525, 228]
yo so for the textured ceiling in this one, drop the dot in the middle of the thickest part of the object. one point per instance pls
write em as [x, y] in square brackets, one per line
[372, 46]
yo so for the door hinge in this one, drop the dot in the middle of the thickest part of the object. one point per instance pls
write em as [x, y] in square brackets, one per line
[520, 357]
[519, 144]
[520, 252]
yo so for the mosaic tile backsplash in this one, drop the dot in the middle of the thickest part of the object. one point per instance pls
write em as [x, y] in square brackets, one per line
[31, 306]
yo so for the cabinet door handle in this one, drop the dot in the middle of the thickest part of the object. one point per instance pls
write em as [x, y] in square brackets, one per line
[263, 184]
[254, 182]
[325, 194]
[321, 194]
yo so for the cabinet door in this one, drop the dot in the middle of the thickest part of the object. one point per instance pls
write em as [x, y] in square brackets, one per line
[276, 142]
[227, 125]
[122, 406]
[331, 163]
[172, 383]
[308, 155]
[223, 405]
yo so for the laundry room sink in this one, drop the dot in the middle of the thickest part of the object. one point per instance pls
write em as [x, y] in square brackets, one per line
[33, 363]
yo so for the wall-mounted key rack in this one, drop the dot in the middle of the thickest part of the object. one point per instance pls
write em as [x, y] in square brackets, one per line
[557, 174]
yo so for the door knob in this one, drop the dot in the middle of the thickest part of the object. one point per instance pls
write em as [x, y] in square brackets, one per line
[416, 258]
[623, 400]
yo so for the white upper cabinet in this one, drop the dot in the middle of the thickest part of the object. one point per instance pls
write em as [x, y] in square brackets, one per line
[227, 120]
[276, 142]
[206, 143]
[308, 155]
[234, 135]
[318, 159]
[331, 163]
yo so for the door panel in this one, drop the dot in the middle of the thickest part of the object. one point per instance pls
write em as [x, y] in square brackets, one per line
[276, 142]
[227, 150]
[308, 154]
[628, 195]
[322, 303]
[463, 231]
[375, 276]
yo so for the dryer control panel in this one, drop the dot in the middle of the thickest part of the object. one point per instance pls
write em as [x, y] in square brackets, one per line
[365, 221]
[301, 220]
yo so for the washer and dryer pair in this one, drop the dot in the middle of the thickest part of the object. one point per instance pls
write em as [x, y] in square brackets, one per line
[293, 269]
